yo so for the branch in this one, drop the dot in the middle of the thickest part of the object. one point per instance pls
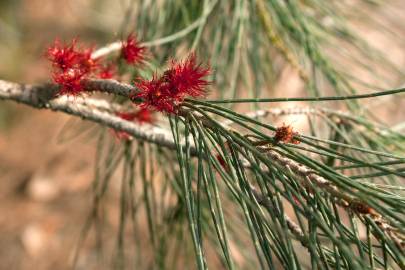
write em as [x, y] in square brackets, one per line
[41, 97]
[99, 111]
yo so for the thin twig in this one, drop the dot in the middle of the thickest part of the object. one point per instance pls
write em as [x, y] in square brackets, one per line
[116, 46]
[317, 99]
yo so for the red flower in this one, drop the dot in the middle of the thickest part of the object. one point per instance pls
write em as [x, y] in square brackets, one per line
[86, 62]
[131, 51]
[156, 94]
[141, 116]
[144, 116]
[63, 56]
[285, 134]
[107, 72]
[180, 80]
[187, 78]
[129, 116]
[71, 66]
[69, 81]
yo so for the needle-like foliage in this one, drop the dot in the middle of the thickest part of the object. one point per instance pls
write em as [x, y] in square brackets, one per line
[242, 190]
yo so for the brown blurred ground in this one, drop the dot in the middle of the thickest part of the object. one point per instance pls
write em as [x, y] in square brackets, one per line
[44, 183]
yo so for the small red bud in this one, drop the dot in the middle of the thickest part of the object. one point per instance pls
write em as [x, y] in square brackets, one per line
[286, 134]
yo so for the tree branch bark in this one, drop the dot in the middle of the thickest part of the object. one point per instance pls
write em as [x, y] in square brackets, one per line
[100, 111]
[41, 97]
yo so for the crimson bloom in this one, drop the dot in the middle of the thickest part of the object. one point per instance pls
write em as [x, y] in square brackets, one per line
[156, 94]
[70, 81]
[141, 116]
[86, 62]
[187, 78]
[63, 56]
[71, 65]
[129, 116]
[107, 72]
[132, 51]
[144, 116]
[180, 80]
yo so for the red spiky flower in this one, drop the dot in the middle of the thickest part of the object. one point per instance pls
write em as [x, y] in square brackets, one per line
[141, 116]
[71, 66]
[286, 134]
[180, 80]
[129, 116]
[156, 94]
[132, 51]
[187, 78]
[70, 81]
[144, 116]
[107, 71]
[86, 62]
[63, 56]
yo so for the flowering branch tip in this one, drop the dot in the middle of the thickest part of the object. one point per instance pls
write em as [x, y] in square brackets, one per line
[180, 80]
[132, 51]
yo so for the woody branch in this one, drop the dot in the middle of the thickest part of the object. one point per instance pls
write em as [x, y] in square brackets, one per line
[102, 112]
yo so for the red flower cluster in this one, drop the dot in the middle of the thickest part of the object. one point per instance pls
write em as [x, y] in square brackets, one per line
[182, 79]
[286, 134]
[161, 93]
[131, 51]
[71, 66]
[141, 116]
[107, 71]
[63, 56]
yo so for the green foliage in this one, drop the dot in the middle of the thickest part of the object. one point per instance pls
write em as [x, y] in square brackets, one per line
[232, 197]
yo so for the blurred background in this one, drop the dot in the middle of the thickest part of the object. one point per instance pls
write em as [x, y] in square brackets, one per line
[46, 170]
[45, 180]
